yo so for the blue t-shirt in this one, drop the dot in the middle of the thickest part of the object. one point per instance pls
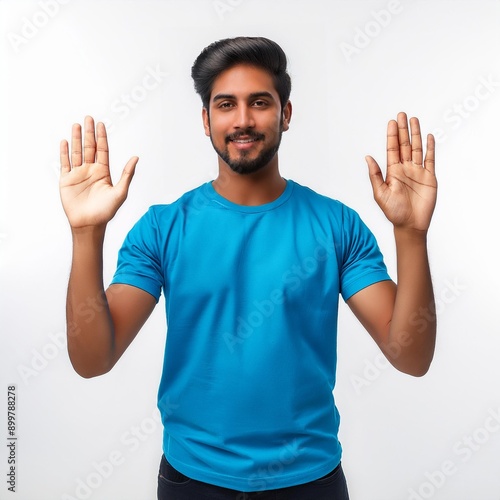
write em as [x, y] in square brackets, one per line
[251, 297]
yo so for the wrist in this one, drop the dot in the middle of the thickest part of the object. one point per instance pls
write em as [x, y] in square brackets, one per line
[410, 236]
[411, 233]
[88, 234]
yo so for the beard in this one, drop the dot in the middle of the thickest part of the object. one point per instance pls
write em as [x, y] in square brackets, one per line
[245, 165]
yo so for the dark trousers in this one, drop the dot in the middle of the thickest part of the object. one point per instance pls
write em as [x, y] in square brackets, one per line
[172, 485]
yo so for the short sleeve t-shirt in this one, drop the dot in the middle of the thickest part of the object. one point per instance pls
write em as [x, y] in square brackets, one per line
[251, 297]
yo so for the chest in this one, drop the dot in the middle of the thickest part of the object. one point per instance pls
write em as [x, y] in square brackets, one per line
[251, 257]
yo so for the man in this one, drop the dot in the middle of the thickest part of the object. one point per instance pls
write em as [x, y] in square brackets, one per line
[251, 266]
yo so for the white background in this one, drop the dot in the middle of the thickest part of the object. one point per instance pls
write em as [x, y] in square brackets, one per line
[354, 65]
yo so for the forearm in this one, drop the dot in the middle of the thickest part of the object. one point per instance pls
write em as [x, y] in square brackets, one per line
[89, 324]
[413, 341]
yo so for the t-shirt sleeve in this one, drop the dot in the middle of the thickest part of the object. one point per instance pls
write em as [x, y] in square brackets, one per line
[139, 261]
[362, 262]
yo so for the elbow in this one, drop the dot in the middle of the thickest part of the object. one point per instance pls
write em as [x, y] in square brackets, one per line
[89, 370]
[87, 374]
[417, 372]
[411, 356]
[415, 369]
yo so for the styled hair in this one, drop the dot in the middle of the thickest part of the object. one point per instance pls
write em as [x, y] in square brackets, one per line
[224, 54]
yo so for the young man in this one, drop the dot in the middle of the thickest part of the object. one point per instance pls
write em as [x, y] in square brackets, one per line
[251, 266]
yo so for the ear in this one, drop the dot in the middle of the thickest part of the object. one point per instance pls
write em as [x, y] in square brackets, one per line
[287, 116]
[206, 121]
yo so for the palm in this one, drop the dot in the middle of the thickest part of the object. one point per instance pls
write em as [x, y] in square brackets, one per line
[87, 193]
[407, 196]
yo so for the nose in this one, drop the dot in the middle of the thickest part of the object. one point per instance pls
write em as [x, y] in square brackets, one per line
[244, 117]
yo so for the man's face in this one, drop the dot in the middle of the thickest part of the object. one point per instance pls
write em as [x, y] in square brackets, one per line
[245, 120]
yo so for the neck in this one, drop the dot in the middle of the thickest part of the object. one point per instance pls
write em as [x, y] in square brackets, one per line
[263, 186]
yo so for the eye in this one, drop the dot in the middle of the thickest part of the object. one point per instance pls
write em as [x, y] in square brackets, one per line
[260, 103]
[225, 105]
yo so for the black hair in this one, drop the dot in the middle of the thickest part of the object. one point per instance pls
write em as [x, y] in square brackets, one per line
[224, 54]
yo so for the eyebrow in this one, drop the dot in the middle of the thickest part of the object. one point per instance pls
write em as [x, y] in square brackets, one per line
[253, 95]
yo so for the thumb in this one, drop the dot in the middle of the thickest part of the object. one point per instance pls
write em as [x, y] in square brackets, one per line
[127, 175]
[375, 173]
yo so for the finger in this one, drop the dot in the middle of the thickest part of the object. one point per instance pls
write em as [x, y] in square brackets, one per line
[102, 145]
[416, 142]
[392, 143]
[64, 157]
[376, 178]
[89, 143]
[126, 178]
[430, 155]
[76, 145]
[404, 138]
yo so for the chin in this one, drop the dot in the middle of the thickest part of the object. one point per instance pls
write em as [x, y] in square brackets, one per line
[247, 171]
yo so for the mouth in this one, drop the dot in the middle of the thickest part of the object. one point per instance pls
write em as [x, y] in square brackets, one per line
[244, 142]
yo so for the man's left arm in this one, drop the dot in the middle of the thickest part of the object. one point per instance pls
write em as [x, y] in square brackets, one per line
[407, 196]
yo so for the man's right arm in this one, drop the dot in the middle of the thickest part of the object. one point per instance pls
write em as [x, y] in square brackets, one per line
[100, 324]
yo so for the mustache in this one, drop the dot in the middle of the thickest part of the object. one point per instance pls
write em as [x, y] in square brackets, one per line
[244, 133]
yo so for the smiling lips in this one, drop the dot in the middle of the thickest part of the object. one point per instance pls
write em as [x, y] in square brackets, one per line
[244, 142]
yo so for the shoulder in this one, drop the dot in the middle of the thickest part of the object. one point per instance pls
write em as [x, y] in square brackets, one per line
[322, 202]
[191, 199]
[331, 213]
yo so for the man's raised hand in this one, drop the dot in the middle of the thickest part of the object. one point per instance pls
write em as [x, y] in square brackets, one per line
[407, 196]
[87, 193]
